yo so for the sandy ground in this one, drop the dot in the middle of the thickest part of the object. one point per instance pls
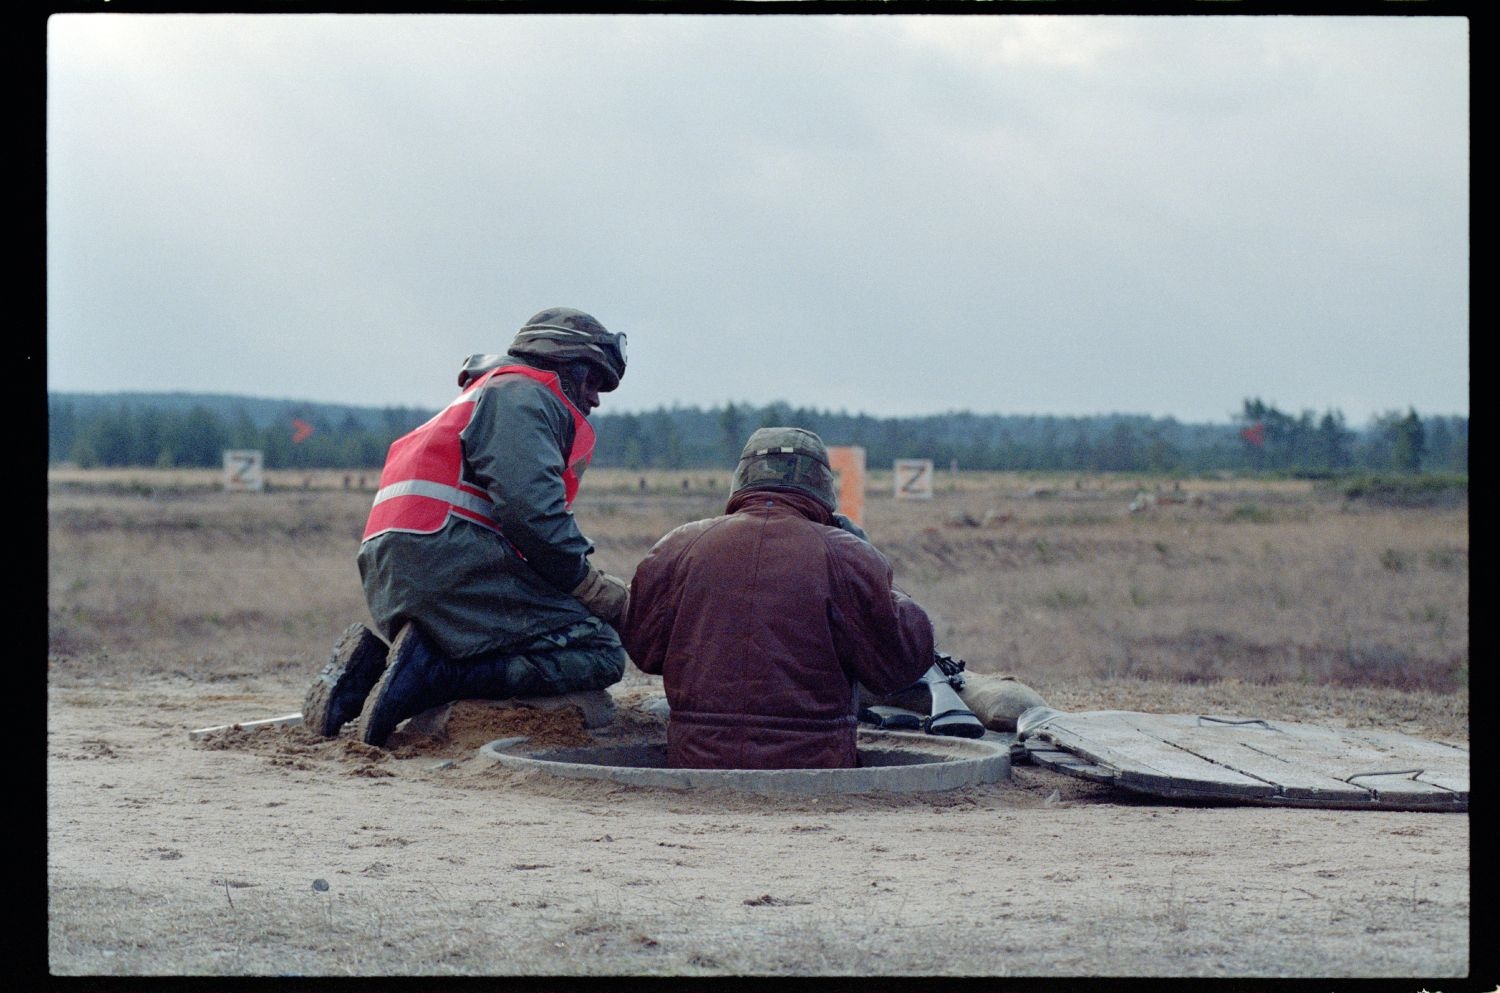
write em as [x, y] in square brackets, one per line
[276, 854]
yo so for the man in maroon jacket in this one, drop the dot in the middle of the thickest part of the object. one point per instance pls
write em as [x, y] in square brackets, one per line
[764, 622]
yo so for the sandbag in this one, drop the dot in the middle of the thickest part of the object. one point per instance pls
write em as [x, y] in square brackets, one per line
[998, 700]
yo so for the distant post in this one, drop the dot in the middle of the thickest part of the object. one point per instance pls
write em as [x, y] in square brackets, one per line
[242, 470]
[913, 479]
[848, 465]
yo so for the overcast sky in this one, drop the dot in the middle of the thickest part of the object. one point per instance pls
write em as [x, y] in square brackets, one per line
[889, 214]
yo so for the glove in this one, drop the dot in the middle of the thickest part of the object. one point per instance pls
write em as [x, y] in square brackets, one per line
[604, 595]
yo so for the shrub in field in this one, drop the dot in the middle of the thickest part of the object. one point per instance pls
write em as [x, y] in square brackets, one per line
[1251, 513]
[1406, 491]
[1394, 561]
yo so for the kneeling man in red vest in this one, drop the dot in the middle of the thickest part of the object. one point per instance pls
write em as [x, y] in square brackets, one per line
[473, 566]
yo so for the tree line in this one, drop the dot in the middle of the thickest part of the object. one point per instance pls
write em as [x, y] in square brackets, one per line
[175, 430]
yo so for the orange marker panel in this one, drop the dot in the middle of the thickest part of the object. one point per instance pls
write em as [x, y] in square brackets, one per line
[848, 465]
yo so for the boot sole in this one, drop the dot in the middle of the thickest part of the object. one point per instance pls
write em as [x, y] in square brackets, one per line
[356, 665]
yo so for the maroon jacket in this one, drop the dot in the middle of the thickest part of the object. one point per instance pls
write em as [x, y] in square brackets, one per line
[760, 623]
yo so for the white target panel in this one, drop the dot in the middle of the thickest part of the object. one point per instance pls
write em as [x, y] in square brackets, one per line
[242, 470]
[913, 479]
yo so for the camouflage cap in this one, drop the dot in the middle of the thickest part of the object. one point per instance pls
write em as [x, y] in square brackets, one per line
[786, 458]
[562, 334]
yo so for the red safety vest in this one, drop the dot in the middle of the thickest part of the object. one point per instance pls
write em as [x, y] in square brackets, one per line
[422, 482]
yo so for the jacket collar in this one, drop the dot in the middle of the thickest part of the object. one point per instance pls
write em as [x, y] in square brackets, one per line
[796, 500]
[477, 365]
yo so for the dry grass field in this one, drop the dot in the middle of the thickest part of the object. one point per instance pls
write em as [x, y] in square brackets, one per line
[173, 604]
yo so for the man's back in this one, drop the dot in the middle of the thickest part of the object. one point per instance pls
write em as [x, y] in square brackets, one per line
[524, 558]
[760, 622]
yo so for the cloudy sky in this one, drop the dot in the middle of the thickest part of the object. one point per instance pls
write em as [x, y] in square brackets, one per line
[890, 214]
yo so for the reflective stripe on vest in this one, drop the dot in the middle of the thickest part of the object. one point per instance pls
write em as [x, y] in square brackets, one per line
[422, 482]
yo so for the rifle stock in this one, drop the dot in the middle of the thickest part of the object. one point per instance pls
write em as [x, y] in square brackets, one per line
[949, 714]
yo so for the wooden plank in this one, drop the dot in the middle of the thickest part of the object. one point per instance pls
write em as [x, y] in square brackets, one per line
[1067, 762]
[1397, 787]
[1406, 742]
[1304, 762]
[1292, 776]
[1346, 752]
[285, 720]
[1457, 783]
[1356, 756]
[1258, 761]
[1112, 738]
[1442, 764]
[1345, 746]
[1337, 752]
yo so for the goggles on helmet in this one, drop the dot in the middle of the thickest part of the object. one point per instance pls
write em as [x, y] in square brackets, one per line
[605, 349]
[609, 340]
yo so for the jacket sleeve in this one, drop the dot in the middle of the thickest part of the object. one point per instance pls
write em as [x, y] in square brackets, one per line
[514, 447]
[884, 638]
[646, 628]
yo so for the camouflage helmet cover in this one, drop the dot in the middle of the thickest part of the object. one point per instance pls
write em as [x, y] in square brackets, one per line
[562, 334]
[786, 458]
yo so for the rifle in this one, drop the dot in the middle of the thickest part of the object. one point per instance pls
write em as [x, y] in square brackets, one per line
[947, 713]
[950, 715]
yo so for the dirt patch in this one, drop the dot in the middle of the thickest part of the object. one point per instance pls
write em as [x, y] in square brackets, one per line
[273, 852]
[469, 725]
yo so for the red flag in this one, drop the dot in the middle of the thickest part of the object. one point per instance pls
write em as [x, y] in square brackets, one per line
[300, 430]
[1255, 434]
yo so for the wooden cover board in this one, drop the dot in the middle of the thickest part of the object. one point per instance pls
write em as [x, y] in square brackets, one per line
[1252, 761]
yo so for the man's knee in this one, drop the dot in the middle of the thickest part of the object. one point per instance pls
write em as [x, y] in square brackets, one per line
[585, 656]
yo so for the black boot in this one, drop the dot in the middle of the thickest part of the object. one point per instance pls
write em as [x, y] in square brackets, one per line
[414, 680]
[419, 677]
[339, 691]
